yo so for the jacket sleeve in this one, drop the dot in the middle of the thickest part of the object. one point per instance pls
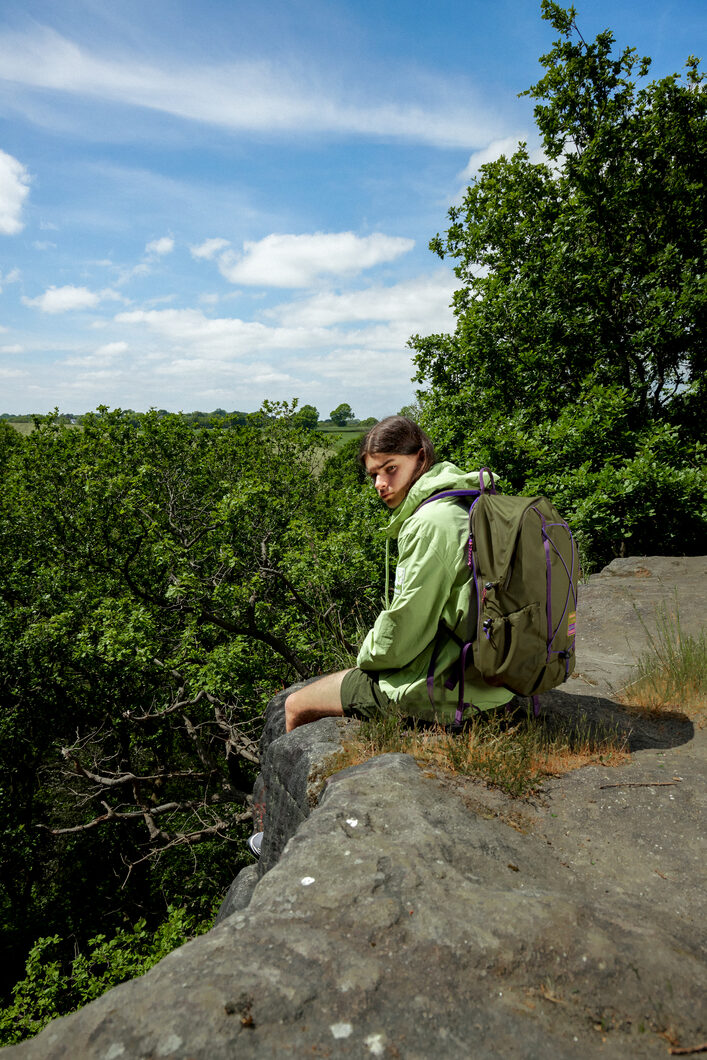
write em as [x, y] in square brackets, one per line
[424, 577]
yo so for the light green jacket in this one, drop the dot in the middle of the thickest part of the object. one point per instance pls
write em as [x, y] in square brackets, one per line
[431, 583]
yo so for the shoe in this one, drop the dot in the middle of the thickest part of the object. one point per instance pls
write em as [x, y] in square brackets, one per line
[255, 842]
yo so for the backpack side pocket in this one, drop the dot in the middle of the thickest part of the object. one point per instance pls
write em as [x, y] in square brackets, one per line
[511, 649]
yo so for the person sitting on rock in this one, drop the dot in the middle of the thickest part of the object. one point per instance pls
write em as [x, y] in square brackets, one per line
[431, 587]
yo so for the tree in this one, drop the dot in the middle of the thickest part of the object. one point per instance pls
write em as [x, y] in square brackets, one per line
[341, 414]
[307, 416]
[578, 361]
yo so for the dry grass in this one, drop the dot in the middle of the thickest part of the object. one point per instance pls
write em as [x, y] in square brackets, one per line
[513, 752]
[654, 698]
[671, 677]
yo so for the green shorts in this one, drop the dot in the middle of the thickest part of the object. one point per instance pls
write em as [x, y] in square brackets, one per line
[362, 696]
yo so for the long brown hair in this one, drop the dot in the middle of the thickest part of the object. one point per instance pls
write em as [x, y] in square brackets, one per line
[398, 434]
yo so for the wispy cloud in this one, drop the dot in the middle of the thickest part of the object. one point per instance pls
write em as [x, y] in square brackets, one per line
[245, 95]
[356, 368]
[160, 247]
[63, 299]
[191, 331]
[209, 248]
[421, 304]
[104, 355]
[14, 189]
[323, 337]
[9, 277]
[300, 260]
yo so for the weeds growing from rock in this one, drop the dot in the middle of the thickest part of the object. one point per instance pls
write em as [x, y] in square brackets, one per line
[510, 751]
[671, 676]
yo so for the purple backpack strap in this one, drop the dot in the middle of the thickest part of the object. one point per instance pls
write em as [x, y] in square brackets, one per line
[448, 493]
[483, 488]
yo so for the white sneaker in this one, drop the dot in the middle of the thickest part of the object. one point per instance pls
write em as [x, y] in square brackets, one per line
[255, 842]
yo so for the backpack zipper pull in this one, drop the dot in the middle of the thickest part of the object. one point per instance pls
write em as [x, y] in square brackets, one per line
[487, 587]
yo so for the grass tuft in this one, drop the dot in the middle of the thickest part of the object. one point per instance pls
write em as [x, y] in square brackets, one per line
[510, 751]
[671, 676]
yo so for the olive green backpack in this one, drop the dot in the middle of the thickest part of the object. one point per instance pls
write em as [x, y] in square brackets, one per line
[523, 594]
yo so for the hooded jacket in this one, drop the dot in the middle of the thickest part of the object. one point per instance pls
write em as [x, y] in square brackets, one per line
[431, 584]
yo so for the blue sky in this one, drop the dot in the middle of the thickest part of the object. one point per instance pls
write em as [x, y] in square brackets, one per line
[205, 204]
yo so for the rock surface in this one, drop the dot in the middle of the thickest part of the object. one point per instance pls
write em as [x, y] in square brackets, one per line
[617, 611]
[414, 916]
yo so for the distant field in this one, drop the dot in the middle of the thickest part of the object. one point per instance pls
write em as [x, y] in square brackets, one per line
[342, 434]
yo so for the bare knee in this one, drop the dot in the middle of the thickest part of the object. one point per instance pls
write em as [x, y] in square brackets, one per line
[291, 712]
[321, 699]
[300, 710]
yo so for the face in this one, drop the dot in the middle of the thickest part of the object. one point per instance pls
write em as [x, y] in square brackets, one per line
[392, 474]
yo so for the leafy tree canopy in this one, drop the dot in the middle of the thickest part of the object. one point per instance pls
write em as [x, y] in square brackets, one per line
[341, 414]
[157, 584]
[307, 416]
[577, 366]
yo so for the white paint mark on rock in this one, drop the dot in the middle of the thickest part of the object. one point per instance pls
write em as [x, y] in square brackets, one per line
[376, 1044]
[117, 1049]
[306, 881]
[169, 1045]
[352, 821]
[341, 1030]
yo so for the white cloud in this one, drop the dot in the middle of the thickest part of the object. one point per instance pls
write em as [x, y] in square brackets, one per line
[102, 356]
[191, 330]
[248, 94]
[9, 277]
[111, 349]
[378, 319]
[297, 261]
[422, 304]
[358, 367]
[160, 247]
[12, 349]
[209, 248]
[63, 299]
[125, 274]
[14, 189]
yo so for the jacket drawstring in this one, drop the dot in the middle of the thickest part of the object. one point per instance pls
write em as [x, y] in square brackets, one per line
[387, 573]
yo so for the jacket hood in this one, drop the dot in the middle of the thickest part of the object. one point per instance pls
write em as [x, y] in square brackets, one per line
[441, 476]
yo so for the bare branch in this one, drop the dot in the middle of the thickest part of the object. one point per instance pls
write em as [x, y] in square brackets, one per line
[115, 780]
[148, 814]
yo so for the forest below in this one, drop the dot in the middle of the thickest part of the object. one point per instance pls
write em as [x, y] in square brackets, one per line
[160, 581]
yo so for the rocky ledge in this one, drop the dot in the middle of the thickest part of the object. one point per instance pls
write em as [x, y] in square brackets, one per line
[398, 913]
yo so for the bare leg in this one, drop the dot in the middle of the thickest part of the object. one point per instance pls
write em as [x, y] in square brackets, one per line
[321, 699]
